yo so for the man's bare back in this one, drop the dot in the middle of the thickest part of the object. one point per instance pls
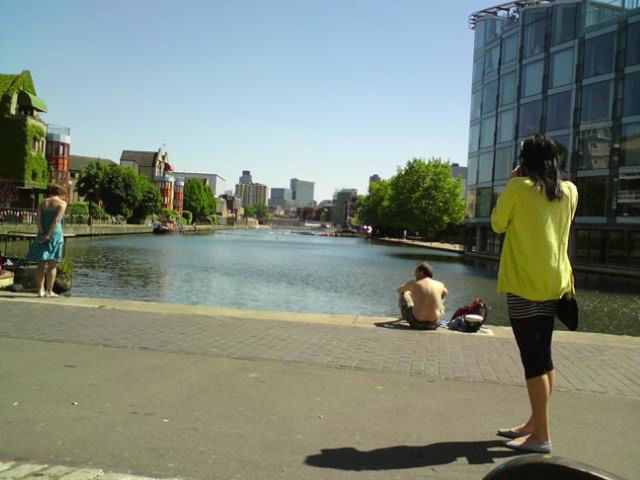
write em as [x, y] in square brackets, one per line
[428, 299]
[425, 295]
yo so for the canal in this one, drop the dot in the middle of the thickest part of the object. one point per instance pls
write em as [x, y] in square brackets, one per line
[284, 271]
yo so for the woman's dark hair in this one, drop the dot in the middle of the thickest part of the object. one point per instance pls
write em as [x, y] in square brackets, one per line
[539, 156]
[55, 189]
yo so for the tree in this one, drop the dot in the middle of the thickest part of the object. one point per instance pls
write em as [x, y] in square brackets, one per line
[187, 216]
[120, 191]
[373, 209]
[150, 201]
[422, 196]
[198, 199]
[261, 212]
[425, 197]
[89, 184]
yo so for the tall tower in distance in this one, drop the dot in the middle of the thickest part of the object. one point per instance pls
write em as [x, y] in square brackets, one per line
[302, 192]
[245, 179]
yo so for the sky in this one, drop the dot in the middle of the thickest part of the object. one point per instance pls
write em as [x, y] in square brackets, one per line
[330, 91]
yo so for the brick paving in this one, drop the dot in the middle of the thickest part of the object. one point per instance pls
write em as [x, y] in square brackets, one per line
[594, 367]
[36, 471]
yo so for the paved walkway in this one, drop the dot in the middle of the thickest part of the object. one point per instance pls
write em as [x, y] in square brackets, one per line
[594, 363]
[198, 392]
[36, 471]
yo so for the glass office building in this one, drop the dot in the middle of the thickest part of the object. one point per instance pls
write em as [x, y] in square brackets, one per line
[571, 70]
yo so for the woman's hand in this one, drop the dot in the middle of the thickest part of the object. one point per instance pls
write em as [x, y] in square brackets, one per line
[519, 171]
[45, 238]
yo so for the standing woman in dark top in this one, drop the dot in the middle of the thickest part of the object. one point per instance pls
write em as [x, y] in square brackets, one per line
[535, 211]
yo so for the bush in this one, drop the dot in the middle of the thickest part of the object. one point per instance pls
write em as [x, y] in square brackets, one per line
[168, 214]
[65, 267]
[188, 217]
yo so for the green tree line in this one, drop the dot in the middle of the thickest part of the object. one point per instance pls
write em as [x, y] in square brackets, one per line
[423, 196]
[120, 191]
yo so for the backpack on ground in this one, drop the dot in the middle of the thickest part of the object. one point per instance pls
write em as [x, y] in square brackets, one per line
[470, 317]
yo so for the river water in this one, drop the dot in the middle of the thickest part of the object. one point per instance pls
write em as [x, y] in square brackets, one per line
[284, 271]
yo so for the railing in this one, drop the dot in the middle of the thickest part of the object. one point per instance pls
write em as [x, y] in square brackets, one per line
[27, 216]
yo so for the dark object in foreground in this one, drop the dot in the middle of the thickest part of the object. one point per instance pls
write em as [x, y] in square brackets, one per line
[567, 311]
[535, 467]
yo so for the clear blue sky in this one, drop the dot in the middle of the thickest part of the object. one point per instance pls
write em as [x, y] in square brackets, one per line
[330, 91]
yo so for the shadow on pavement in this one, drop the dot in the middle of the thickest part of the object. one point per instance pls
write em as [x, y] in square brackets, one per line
[394, 324]
[404, 456]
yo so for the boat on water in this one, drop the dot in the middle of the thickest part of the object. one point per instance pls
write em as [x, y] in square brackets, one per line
[166, 226]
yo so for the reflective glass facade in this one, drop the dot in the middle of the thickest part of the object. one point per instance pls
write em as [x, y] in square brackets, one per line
[570, 70]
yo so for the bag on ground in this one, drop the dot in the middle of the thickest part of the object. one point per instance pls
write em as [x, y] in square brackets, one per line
[470, 317]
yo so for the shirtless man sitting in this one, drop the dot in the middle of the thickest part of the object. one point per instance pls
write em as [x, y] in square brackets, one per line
[422, 300]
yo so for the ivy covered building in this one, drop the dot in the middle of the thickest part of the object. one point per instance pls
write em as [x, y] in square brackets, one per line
[24, 171]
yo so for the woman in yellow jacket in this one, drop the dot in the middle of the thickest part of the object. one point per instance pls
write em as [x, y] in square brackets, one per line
[535, 211]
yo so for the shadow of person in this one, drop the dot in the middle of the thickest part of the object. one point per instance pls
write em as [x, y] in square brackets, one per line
[399, 324]
[404, 456]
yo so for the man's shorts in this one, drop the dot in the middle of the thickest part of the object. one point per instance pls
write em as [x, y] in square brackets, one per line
[407, 314]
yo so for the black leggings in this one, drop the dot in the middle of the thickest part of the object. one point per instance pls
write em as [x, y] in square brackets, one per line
[533, 336]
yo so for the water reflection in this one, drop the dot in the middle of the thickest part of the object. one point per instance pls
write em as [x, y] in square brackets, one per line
[280, 270]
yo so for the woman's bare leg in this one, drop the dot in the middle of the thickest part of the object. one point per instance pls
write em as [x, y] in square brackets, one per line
[51, 278]
[539, 393]
[40, 278]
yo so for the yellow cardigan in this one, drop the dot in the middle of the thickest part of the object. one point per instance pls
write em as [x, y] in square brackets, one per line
[534, 263]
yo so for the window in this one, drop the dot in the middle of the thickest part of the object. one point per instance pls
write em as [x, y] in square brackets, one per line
[629, 195]
[561, 68]
[559, 111]
[617, 248]
[492, 28]
[479, 36]
[487, 132]
[470, 204]
[564, 23]
[483, 206]
[564, 147]
[582, 245]
[508, 88]
[485, 167]
[506, 124]
[599, 55]
[631, 94]
[595, 149]
[534, 34]
[634, 248]
[477, 70]
[476, 99]
[597, 246]
[596, 101]
[489, 97]
[472, 170]
[496, 194]
[509, 48]
[630, 145]
[592, 192]
[491, 59]
[503, 163]
[530, 114]
[474, 137]
[532, 78]
[633, 44]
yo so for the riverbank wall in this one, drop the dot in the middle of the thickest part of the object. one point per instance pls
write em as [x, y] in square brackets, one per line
[105, 230]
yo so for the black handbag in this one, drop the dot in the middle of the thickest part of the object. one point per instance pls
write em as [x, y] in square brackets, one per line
[567, 311]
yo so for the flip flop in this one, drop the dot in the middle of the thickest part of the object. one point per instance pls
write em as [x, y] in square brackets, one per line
[530, 447]
[510, 433]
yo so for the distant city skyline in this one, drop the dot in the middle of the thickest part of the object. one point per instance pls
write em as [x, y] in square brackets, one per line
[331, 92]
